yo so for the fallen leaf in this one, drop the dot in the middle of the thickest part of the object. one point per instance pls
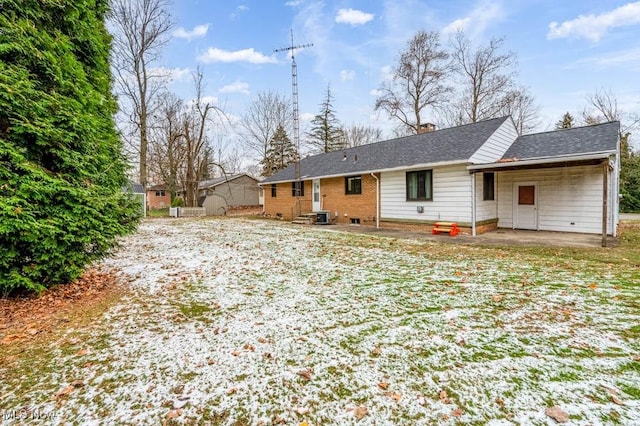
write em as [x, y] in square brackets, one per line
[593, 286]
[557, 414]
[500, 402]
[497, 297]
[457, 412]
[174, 414]
[231, 391]
[616, 400]
[383, 385]
[394, 395]
[305, 374]
[82, 352]
[64, 392]
[444, 397]
[360, 412]
[376, 351]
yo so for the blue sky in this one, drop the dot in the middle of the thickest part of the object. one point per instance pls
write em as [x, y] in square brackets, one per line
[565, 49]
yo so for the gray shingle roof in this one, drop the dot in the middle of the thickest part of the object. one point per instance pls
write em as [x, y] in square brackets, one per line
[451, 144]
[217, 181]
[134, 187]
[579, 140]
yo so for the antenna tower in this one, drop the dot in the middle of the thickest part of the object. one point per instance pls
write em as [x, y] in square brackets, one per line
[296, 120]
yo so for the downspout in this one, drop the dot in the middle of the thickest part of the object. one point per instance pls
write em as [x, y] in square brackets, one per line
[377, 200]
[473, 204]
[605, 196]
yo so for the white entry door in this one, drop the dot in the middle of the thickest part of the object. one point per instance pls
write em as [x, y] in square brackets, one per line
[525, 205]
[316, 196]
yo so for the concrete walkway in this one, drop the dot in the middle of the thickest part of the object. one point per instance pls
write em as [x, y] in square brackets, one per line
[500, 237]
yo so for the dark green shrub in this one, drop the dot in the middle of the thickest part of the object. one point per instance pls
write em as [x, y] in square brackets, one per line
[61, 167]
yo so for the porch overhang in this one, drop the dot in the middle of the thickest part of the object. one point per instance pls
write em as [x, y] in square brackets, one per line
[543, 162]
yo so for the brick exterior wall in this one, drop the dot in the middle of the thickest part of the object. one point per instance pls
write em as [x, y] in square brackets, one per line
[158, 202]
[283, 204]
[349, 206]
[334, 199]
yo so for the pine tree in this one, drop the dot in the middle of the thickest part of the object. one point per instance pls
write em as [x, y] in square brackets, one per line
[280, 153]
[326, 131]
[61, 167]
[567, 122]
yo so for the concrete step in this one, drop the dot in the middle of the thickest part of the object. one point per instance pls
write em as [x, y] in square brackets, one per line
[304, 220]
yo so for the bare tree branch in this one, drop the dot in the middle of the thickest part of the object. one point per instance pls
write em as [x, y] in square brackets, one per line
[418, 81]
[141, 29]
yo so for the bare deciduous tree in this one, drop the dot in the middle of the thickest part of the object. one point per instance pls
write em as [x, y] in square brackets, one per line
[267, 111]
[167, 146]
[523, 109]
[357, 135]
[486, 80]
[141, 29]
[602, 107]
[198, 156]
[418, 81]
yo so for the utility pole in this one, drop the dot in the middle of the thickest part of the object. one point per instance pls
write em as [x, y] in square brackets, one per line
[296, 122]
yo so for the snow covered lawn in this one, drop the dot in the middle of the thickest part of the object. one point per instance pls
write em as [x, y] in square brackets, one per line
[236, 321]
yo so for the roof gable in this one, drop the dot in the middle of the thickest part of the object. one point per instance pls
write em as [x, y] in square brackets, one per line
[454, 144]
[565, 142]
[223, 179]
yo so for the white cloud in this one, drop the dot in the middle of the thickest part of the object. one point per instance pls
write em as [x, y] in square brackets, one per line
[386, 73]
[238, 11]
[353, 17]
[213, 54]
[211, 100]
[293, 3]
[173, 74]
[594, 27]
[346, 75]
[375, 92]
[307, 116]
[236, 87]
[624, 58]
[197, 32]
[476, 22]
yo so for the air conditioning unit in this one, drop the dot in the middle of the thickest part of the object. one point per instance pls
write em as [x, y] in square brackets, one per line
[322, 218]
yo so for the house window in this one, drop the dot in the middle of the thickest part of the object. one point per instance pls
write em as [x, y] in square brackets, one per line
[488, 186]
[294, 188]
[420, 185]
[160, 193]
[273, 190]
[353, 185]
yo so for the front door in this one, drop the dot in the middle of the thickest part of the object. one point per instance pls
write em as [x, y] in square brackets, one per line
[316, 196]
[525, 205]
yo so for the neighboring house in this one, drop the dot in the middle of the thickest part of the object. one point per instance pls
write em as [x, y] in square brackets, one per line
[220, 194]
[158, 197]
[481, 176]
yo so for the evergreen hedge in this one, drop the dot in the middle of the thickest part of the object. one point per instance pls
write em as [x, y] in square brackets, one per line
[61, 163]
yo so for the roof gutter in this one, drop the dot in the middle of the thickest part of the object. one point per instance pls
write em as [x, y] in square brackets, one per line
[364, 172]
[542, 160]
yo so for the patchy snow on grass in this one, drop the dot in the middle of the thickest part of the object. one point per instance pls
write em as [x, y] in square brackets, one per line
[234, 321]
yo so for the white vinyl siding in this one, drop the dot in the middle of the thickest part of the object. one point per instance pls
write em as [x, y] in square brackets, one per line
[451, 196]
[569, 198]
[486, 210]
[495, 147]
